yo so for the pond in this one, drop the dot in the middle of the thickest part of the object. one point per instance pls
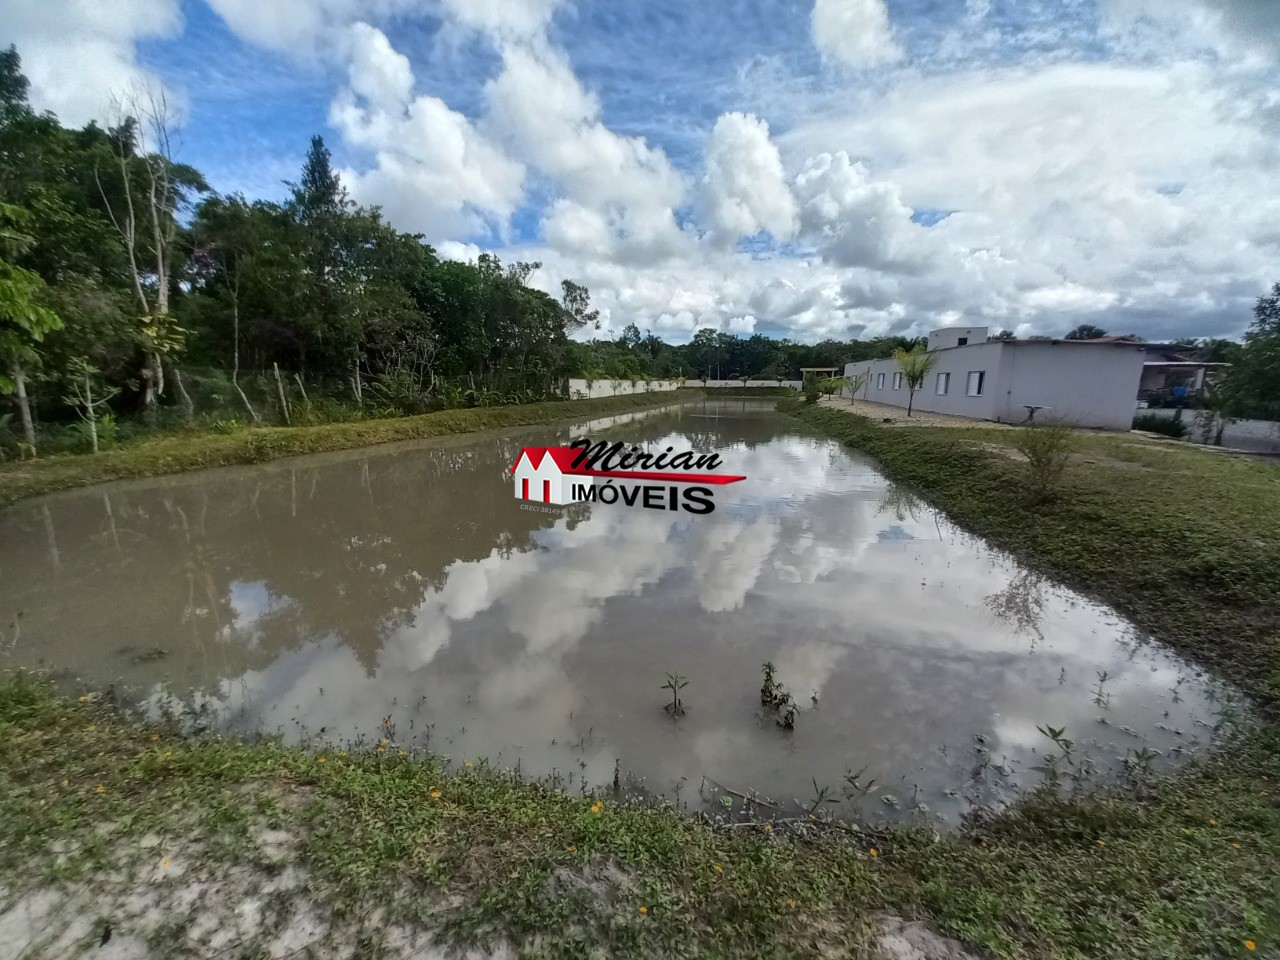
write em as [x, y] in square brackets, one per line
[404, 591]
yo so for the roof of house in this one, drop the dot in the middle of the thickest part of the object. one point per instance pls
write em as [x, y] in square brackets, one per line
[563, 457]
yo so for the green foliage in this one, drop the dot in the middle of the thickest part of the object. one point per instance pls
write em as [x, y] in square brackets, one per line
[1047, 450]
[811, 388]
[1154, 423]
[915, 365]
[1085, 331]
[675, 683]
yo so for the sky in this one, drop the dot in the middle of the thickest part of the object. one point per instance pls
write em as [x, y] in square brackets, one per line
[799, 168]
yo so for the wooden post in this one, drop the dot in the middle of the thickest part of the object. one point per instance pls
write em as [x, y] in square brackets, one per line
[284, 404]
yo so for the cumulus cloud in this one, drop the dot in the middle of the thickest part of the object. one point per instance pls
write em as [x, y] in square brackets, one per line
[301, 27]
[854, 33]
[510, 19]
[619, 194]
[80, 55]
[745, 190]
[434, 172]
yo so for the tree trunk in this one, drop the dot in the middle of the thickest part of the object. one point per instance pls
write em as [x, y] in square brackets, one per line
[90, 413]
[911, 399]
[188, 408]
[24, 404]
[284, 404]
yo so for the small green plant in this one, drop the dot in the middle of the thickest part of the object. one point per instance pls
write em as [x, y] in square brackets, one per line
[1047, 449]
[1154, 423]
[787, 719]
[812, 388]
[675, 683]
[821, 795]
[771, 692]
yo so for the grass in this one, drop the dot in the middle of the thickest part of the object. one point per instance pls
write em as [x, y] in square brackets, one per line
[176, 453]
[1177, 867]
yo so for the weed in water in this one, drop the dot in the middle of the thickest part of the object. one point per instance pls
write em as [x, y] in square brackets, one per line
[675, 683]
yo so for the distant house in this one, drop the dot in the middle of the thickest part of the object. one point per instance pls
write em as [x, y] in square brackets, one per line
[1168, 375]
[1081, 382]
[542, 474]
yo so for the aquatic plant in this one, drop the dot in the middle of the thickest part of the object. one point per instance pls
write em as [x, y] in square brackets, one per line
[675, 683]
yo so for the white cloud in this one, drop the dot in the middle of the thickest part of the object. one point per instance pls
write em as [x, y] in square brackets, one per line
[80, 54]
[619, 194]
[519, 19]
[434, 172]
[854, 33]
[745, 190]
[302, 28]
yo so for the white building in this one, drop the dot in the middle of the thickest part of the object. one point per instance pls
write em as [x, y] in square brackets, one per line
[542, 475]
[1085, 383]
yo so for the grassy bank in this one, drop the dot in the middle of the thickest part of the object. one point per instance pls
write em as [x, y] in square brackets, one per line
[192, 451]
[154, 834]
[1184, 542]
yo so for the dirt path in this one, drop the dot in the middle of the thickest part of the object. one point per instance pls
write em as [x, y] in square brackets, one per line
[888, 415]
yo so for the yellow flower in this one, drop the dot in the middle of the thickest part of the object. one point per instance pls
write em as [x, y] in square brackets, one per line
[164, 863]
[644, 909]
[812, 817]
[403, 753]
[572, 847]
[1236, 845]
[768, 827]
[168, 753]
[64, 783]
[468, 763]
[597, 807]
[435, 794]
[85, 698]
[239, 743]
[101, 789]
[719, 869]
[385, 741]
[155, 736]
[1250, 946]
[1213, 823]
[271, 743]
[319, 759]
[1102, 843]
[791, 903]
[94, 726]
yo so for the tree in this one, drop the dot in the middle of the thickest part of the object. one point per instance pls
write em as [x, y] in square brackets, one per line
[1003, 335]
[23, 320]
[1086, 331]
[915, 365]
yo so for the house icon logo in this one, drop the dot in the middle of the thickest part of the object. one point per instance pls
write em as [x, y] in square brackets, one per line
[544, 475]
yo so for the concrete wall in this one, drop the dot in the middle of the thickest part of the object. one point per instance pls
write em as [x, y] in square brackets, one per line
[578, 389]
[957, 361]
[1256, 436]
[1089, 385]
[947, 337]
[1086, 384]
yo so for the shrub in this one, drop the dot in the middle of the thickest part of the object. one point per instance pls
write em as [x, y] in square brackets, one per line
[1047, 448]
[1154, 423]
[812, 388]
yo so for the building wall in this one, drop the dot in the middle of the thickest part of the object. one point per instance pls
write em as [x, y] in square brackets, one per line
[957, 361]
[578, 389]
[951, 337]
[1088, 385]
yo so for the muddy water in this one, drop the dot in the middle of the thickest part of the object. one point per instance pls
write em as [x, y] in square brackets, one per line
[328, 596]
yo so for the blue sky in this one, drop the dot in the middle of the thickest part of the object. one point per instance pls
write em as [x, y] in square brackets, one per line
[810, 168]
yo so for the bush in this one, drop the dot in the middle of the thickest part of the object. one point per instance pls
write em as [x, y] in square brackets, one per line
[1154, 423]
[812, 388]
[1047, 448]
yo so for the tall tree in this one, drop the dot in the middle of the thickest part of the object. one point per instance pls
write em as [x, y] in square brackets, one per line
[915, 365]
[1085, 331]
[23, 320]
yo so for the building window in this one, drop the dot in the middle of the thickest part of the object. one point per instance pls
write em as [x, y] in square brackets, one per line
[962, 342]
[879, 381]
[944, 383]
[976, 380]
[897, 381]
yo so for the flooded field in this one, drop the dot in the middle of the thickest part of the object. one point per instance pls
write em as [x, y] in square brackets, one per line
[403, 592]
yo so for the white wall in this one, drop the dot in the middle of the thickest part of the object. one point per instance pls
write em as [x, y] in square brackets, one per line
[1256, 436]
[578, 389]
[946, 337]
[1089, 385]
[958, 361]
[1085, 384]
